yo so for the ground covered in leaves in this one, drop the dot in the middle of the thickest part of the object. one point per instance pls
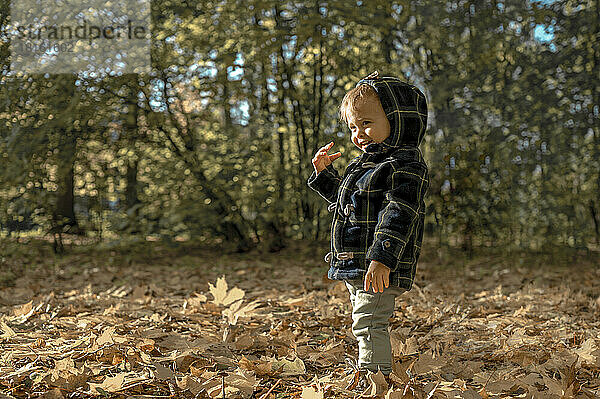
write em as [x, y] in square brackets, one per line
[150, 319]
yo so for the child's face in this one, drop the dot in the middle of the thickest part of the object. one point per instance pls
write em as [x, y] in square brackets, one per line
[368, 123]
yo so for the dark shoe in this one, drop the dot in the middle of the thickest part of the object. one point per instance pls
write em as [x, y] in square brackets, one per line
[359, 383]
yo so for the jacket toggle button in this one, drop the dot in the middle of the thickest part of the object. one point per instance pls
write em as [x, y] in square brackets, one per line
[349, 208]
[386, 243]
[328, 257]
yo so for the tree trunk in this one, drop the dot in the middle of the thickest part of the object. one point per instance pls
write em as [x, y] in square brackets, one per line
[595, 219]
[64, 213]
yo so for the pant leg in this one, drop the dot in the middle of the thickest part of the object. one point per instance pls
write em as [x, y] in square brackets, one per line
[370, 315]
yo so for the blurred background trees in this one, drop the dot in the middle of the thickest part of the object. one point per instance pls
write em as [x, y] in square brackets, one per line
[216, 142]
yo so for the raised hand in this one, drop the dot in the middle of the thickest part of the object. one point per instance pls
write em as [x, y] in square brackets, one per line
[321, 159]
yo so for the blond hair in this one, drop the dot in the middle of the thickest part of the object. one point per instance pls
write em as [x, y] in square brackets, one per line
[353, 97]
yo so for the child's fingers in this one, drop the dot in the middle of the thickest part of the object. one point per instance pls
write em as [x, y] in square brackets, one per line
[367, 282]
[376, 284]
[326, 147]
[335, 156]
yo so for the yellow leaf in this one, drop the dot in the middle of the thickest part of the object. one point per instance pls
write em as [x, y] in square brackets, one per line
[106, 337]
[23, 309]
[288, 368]
[311, 393]
[221, 295]
[7, 331]
[110, 384]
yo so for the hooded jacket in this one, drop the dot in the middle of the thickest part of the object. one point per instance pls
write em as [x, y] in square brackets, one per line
[378, 204]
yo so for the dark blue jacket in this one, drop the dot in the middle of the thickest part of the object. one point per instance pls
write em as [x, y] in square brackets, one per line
[378, 204]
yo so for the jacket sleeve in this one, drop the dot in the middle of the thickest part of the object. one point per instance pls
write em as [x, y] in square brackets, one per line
[404, 200]
[326, 183]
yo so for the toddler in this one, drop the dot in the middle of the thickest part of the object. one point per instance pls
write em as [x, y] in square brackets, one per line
[378, 208]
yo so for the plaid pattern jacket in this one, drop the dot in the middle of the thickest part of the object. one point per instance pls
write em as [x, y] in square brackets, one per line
[378, 204]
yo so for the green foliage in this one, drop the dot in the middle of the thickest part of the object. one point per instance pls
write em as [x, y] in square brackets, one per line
[216, 143]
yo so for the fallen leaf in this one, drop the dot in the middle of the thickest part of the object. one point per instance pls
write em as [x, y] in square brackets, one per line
[378, 383]
[106, 337]
[243, 380]
[427, 363]
[411, 346]
[398, 394]
[311, 393]
[235, 311]
[191, 383]
[162, 372]
[588, 353]
[470, 394]
[332, 353]
[260, 367]
[23, 309]
[110, 384]
[52, 394]
[7, 332]
[401, 371]
[286, 368]
[221, 295]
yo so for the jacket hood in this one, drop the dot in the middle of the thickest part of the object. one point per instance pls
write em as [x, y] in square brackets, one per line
[406, 109]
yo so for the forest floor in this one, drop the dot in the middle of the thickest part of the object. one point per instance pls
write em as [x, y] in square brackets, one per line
[151, 319]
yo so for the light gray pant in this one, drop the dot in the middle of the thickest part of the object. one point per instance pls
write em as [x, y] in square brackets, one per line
[370, 315]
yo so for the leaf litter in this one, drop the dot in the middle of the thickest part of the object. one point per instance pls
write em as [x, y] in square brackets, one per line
[272, 326]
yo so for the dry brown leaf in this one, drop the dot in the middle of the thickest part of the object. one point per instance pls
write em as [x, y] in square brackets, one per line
[293, 302]
[398, 394]
[7, 332]
[106, 337]
[245, 381]
[66, 376]
[52, 394]
[332, 353]
[287, 368]
[402, 371]
[235, 311]
[191, 383]
[493, 381]
[260, 367]
[588, 353]
[22, 310]
[194, 303]
[110, 384]
[411, 346]
[378, 383]
[427, 363]
[311, 393]
[223, 296]
[162, 372]
[139, 294]
[470, 394]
